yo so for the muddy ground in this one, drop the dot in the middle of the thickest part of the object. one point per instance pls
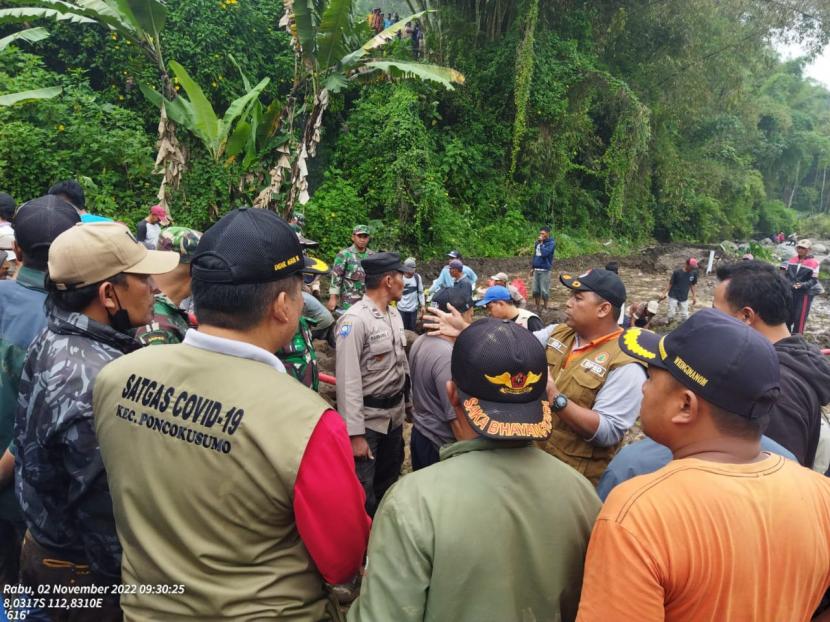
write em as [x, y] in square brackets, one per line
[645, 274]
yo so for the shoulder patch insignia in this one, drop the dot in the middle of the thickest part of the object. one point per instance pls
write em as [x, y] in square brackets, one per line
[345, 330]
[601, 357]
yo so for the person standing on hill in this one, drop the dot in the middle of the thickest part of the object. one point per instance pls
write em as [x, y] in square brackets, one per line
[347, 274]
[543, 251]
[802, 273]
[683, 281]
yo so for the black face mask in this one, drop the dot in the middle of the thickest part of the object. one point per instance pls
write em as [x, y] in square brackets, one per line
[120, 320]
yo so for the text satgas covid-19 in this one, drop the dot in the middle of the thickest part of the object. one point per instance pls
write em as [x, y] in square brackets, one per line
[154, 399]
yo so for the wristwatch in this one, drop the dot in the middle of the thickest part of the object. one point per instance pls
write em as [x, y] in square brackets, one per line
[559, 402]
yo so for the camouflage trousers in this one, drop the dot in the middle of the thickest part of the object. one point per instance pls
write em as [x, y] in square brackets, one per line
[42, 567]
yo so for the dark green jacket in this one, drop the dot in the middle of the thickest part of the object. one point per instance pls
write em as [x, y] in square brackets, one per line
[495, 531]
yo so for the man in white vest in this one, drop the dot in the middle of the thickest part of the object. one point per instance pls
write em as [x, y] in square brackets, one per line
[501, 306]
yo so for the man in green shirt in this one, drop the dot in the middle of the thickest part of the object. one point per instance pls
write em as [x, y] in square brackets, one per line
[347, 275]
[498, 529]
[170, 319]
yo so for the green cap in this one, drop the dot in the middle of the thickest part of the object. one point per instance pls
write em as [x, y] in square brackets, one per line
[180, 240]
[360, 229]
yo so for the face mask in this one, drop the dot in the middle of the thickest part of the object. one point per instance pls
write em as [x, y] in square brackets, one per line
[120, 320]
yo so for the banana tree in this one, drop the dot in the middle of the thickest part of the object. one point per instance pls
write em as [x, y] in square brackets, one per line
[197, 114]
[30, 35]
[139, 22]
[325, 39]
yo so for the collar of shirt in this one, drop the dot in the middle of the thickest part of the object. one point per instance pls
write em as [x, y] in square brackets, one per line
[578, 347]
[374, 308]
[478, 444]
[31, 278]
[232, 347]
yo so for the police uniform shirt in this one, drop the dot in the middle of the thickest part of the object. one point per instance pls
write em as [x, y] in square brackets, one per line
[371, 361]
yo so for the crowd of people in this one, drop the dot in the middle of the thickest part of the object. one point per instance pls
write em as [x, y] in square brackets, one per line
[411, 31]
[168, 457]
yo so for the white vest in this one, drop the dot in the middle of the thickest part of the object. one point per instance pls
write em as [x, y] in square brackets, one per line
[524, 316]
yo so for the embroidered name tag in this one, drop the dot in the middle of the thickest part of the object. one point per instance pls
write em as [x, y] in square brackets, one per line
[379, 336]
[593, 367]
[557, 345]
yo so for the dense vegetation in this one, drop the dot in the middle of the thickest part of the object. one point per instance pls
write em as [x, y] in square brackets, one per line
[623, 121]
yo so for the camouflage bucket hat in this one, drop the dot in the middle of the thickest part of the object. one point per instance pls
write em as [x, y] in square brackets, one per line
[180, 240]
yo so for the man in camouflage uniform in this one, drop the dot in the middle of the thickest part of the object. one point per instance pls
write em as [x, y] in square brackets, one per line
[347, 275]
[99, 289]
[298, 355]
[170, 316]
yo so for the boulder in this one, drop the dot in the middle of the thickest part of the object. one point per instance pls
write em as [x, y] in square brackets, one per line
[824, 269]
[766, 242]
[784, 252]
[819, 249]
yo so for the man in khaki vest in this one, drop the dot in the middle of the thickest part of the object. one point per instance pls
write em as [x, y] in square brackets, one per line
[597, 388]
[233, 485]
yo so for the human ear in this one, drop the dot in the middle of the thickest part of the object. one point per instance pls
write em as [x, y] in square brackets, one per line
[106, 296]
[688, 410]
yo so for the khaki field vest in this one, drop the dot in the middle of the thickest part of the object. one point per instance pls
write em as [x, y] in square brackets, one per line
[580, 380]
[202, 450]
[524, 316]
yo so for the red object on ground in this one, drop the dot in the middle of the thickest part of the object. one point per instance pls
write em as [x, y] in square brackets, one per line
[826, 351]
[327, 379]
[520, 285]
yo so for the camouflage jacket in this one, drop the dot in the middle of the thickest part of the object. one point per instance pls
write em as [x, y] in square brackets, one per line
[168, 326]
[347, 275]
[299, 357]
[60, 480]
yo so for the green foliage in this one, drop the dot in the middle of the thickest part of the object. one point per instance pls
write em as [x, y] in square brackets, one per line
[197, 115]
[525, 59]
[77, 135]
[817, 226]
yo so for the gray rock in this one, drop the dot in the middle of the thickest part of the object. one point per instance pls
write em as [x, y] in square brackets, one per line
[729, 247]
[767, 242]
[819, 249]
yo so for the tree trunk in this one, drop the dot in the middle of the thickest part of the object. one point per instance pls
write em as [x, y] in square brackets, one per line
[821, 196]
[795, 184]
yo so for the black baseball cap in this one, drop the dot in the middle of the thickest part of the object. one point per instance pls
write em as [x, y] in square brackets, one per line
[381, 263]
[454, 296]
[249, 245]
[719, 358]
[501, 373]
[603, 283]
[38, 222]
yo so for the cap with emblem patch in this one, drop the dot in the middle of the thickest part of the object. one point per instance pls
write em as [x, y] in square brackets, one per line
[500, 371]
[604, 283]
[88, 254]
[247, 246]
[719, 358]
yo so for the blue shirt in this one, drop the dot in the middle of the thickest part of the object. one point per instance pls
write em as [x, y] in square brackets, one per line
[543, 254]
[87, 218]
[646, 456]
[445, 280]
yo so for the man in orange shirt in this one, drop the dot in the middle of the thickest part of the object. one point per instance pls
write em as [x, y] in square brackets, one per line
[724, 531]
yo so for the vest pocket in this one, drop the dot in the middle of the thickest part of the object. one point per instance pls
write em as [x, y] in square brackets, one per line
[378, 355]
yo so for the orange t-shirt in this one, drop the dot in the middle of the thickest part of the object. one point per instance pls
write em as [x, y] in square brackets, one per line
[701, 540]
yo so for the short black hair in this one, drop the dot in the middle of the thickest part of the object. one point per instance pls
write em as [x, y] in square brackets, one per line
[546, 229]
[613, 266]
[72, 190]
[7, 206]
[239, 307]
[76, 300]
[373, 280]
[760, 287]
[735, 425]
[36, 259]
